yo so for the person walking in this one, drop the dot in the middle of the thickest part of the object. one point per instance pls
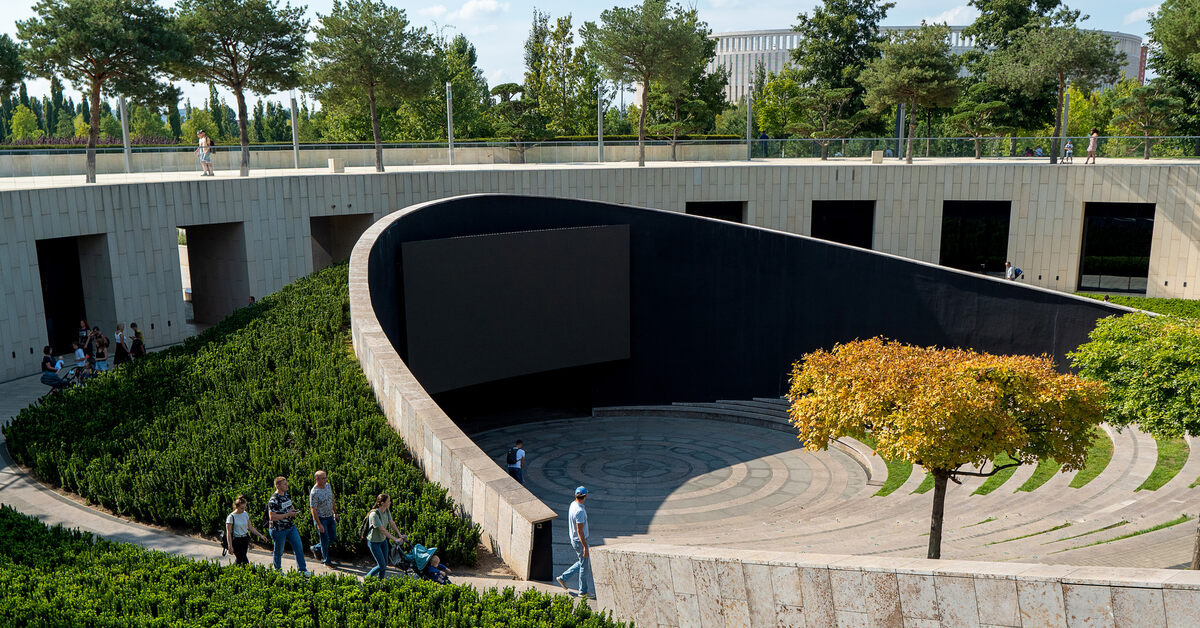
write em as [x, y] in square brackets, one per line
[1011, 273]
[281, 513]
[379, 520]
[101, 353]
[324, 514]
[137, 350]
[1093, 144]
[121, 354]
[84, 332]
[237, 531]
[516, 462]
[577, 526]
[204, 150]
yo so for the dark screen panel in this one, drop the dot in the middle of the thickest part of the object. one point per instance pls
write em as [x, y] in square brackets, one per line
[845, 222]
[975, 235]
[489, 307]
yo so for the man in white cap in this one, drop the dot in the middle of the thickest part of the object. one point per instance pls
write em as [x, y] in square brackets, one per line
[577, 525]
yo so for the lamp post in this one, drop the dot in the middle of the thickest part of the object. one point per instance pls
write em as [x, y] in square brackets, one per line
[749, 121]
[295, 133]
[450, 122]
[600, 123]
[125, 134]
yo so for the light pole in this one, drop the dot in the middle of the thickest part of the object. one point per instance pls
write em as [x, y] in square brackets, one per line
[749, 121]
[450, 122]
[600, 123]
[125, 133]
[295, 133]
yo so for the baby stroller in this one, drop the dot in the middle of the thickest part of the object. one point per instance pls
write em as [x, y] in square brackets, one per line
[414, 561]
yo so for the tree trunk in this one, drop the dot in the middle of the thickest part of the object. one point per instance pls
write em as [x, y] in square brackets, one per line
[1058, 111]
[978, 149]
[1012, 146]
[939, 507]
[908, 148]
[824, 151]
[93, 131]
[1196, 550]
[375, 130]
[642, 123]
[243, 131]
[1147, 147]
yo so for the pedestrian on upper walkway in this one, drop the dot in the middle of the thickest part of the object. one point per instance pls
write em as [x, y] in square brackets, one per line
[282, 513]
[516, 462]
[577, 527]
[237, 531]
[204, 150]
[324, 514]
[121, 350]
[1093, 144]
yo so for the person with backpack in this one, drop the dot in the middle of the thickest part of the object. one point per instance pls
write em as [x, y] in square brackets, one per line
[237, 531]
[516, 462]
[281, 518]
[375, 528]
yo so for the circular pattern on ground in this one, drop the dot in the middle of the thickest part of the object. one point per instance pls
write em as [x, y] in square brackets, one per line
[673, 478]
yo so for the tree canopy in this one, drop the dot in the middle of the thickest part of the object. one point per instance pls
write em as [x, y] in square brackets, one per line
[103, 46]
[367, 48]
[12, 69]
[944, 409]
[243, 45]
[1175, 26]
[654, 42]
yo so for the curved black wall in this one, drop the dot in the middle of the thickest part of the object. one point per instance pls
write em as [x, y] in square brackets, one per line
[721, 310]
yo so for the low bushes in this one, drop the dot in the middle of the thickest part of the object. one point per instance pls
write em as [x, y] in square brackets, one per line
[1186, 308]
[272, 390]
[56, 577]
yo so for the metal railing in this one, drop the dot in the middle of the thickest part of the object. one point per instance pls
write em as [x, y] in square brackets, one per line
[37, 167]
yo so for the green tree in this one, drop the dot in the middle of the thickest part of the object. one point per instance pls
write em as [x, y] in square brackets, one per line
[367, 48]
[944, 409]
[789, 107]
[23, 125]
[145, 121]
[1147, 111]
[65, 127]
[516, 119]
[455, 62]
[12, 69]
[199, 120]
[916, 70]
[81, 125]
[536, 52]
[243, 45]
[117, 46]
[654, 42]
[1175, 67]
[837, 41]
[1175, 26]
[977, 113]
[568, 82]
[1056, 50]
[174, 123]
[691, 106]
[110, 128]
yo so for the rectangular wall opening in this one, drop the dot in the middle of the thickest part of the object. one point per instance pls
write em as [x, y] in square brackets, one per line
[844, 222]
[975, 235]
[1116, 246]
[733, 211]
[217, 270]
[333, 237]
[76, 278]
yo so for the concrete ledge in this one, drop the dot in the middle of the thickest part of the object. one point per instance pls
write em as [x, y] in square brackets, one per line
[664, 585]
[505, 511]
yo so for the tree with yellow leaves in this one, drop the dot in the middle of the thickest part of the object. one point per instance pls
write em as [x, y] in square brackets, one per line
[945, 409]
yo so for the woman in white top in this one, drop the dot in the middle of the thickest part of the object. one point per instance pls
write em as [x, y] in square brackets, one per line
[121, 350]
[237, 531]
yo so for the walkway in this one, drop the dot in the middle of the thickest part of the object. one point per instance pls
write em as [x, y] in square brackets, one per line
[21, 491]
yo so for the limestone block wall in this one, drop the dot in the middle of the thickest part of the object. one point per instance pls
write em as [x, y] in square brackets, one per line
[663, 585]
[506, 511]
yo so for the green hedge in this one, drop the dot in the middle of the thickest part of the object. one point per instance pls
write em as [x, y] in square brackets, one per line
[56, 577]
[1187, 308]
[272, 390]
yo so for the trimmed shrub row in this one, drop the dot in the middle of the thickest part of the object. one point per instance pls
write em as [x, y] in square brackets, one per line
[272, 390]
[57, 577]
[1186, 308]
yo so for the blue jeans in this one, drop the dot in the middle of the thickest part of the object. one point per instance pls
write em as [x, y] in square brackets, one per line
[517, 474]
[380, 552]
[582, 566]
[291, 537]
[327, 537]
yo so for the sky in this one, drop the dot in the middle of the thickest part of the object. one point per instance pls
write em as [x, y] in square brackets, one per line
[498, 27]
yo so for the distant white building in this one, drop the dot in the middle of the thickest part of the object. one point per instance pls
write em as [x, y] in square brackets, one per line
[741, 51]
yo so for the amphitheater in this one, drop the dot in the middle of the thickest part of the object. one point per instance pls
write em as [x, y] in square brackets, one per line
[661, 391]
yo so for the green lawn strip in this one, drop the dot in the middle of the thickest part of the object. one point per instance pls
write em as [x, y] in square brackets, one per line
[59, 577]
[994, 482]
[1107, 527]
[898, 470]
[988, 520]
[926, 485]
[1172, 454]
[1187, 308]
[1025, 536]
[1042, 474]
[1166, 524]
[1099, 455]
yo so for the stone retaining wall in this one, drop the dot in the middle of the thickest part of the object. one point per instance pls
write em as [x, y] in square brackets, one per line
[507, 512]
[664, 585]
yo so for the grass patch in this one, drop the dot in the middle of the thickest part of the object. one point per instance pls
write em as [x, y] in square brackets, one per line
[1099, 455]
[1107, 527]
[1025, 536]
[1042, 474]
[926, 484]
[988, 520]
[1166, 524]
[1172, 454]
[898, 470]
[994, 482]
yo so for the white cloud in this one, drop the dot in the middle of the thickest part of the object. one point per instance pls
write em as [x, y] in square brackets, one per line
[1140, 15]
[436, 10]
[472, 9]
[724, 4]
[961, 15]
